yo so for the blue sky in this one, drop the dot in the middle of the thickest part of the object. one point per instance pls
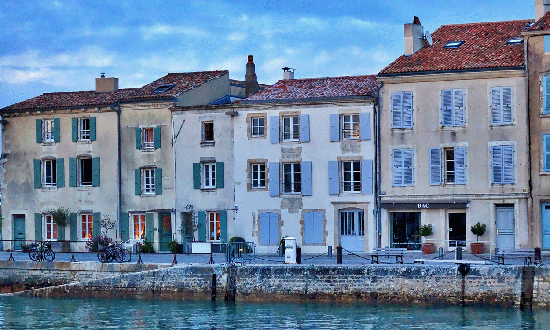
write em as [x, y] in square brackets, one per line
[59, 45]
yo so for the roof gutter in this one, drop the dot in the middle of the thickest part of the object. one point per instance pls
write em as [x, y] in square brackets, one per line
[521, 67]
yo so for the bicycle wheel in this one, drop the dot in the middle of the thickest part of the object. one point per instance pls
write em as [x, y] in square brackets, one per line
[49, 255]
[102, 256]
[119, 255]
[127, 256]
[34, 255]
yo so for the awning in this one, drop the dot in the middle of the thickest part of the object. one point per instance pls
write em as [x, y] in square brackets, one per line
[424, 204]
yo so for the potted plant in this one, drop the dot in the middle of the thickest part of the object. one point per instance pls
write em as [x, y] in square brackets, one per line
[61, 218]
[478, 229]
[425, 231]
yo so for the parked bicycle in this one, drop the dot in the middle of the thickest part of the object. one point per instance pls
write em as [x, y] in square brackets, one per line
[41, 251]
[113, 251]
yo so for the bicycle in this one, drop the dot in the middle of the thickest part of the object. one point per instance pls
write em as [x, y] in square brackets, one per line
[114, 251]
[41, 251]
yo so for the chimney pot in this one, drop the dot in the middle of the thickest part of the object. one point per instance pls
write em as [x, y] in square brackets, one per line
[288, 73]
[106, 85]
[414, 36]
[250, 59]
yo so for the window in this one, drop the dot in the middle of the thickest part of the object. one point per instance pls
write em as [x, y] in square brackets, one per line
[148, 136]
[51, 228]
[292, 178]
[49, 174]
[546, 153]
[257, 128]
[85, 172]
[502, 164]
[86, 225]
[258, 176]
[48, 130]
[402, 110]
[402, 164]
[453, 166]
[139, 225]
[209, 176]
[208, 131]
[214, 232]
[351, 176]
[546, 92]
[515, 41]
[452, 107]
[501, 105]
[163, 88]
[148, 181]
[350, 127]
[84, 129]
[454, 44]
[291, 128]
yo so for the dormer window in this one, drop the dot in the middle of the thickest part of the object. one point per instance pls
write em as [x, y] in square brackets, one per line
[163, 88]
[453, 44]
[515, 41]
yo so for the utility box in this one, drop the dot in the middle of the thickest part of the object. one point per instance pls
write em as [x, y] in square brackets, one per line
[290, 250]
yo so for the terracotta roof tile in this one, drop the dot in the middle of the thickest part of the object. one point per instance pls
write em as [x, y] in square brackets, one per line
[485, 46]
[542, 24]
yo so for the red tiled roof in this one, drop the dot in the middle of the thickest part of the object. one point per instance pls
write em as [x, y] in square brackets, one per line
[542, 24]
[485, 46]
[318, 88]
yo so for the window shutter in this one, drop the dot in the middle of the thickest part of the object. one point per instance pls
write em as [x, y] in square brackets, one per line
[73, 224]
[219, 175]
[273, 228]
[264, 228]
[397, 167]
[408, 170]
[61, 233]
[447, 107]
[309, 236]
[158, 181]
[56, 130]
[546, 94]
[546, 153]
[60, 172]
[74, 122]
[39, 131]
[364, 125]
[317, 228]
[460, 165]
[157, 137]
[497, 164]
[72, 172]
[96, 177]
[366, 176]
[496, 108]
[124, 226]
[459, 107]
[307, 186]
[223, 226]
[37, 227]
[137, 181]
[93, 135]
[274, 129]
[304, 128]
[397, 109]
[333, 182]
[138, 138]
[407, 110]
[507, 105]
[334, 121]
[150, 227]
[37, 173]
[196, 176]
[273, 185]
[201, 226]
[96, 224]
[435, 166]
[508, 164]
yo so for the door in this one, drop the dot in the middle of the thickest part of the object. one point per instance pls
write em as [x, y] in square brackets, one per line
[545, 214]
[352, 230]
[18, 231]
[505, 227]
[457, 229]
[165, 231]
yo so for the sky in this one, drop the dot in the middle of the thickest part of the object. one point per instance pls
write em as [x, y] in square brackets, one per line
[63, 45]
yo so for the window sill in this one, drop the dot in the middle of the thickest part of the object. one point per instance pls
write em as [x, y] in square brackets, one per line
[148, 149]
[291, 141]
[265, 188]
[207, 143]
[501, 125]
[291, 194]
[84, 141]
[148, 195]
[257, 136]
[209, 189]
[352, 192]
[84, 188]
[48, 144]
[451, 128]
[545, 115]
[45, 189]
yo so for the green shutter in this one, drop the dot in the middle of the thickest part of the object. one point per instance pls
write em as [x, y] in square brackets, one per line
[39, 131]
[37, 227]
[72, 172]
[196, 175]
[158, 181]
[61, 233]
[124, 226]
[138, 181]
[73, 224]
[149, 227]
[96, 224]
[37, 173]
[60, 164]
[138, 138]
[201, 226]
[92, 129]
[223, 226]
[75, 129]
[219, 175]
[56, 130]
[96, 172]
[156, 136]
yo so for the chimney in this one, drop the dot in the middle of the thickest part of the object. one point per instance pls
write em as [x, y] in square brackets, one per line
[288, 73]
[414, 36]
[541, 8]
[250, 80]
[106, 85]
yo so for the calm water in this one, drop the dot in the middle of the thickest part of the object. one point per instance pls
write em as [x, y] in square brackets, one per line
[140, 314]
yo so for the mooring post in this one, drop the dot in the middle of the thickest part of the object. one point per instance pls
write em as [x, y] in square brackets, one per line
[139, 259]
[213, 295]
[175, 261]
[230, 289]
[339, 255]
[458, 253]
[329, 251]
[11, 257]
[538, 256]
[298, 255]
[440, 252]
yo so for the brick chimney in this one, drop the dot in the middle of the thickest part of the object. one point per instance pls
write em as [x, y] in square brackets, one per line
[106, 85]
[250, 80]
[541, 8]
[414, 36]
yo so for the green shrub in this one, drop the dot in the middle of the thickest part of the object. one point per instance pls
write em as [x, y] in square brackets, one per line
[146, 246]
[478, 229]
[426, 230]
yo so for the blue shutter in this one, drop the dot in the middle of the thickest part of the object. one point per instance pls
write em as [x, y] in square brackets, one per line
[309, 236]
[304, 128]
[60, 172]
[333, 182]
[96, 224]
[73, 224]
[546, 94]
[447, 107]
[364, 122]
[496, 106]
[201, 226]
[507, 105]
[459, 108]
[408, 167]
[149, 226]
[56, 130]
[397, 167]
[366, 177]
[37, 173]
[96, 172]
[138, 138]
[334, 120]
[137, 181]
[307, 186]
[223, 226]
[546, 153]
[74, 125]
[219, 175]
[158, 181]
[124, 226]
[496, 164]
[72, 172]
[273, 228]
[317, 228]
[274, 129]
[37, 227]
[435, 166]
[547, 43]
[93, 134]
[273, 185]
[197, 176]
[397, 109]
[508, 164]
[407, 110]
[157, 137]
[264, 228]
[39, 131]
[460, 165]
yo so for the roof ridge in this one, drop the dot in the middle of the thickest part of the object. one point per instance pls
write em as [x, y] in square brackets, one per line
[336, 77]
[491, 22]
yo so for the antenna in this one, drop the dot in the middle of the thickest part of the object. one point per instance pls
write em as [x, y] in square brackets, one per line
[429, 38]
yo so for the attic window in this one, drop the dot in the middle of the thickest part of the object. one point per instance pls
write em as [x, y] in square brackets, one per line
[453, 44]
[529, 25]
[163, 88]
[515, 41]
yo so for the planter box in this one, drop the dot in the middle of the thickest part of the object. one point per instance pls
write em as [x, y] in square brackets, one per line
[428, 248]
[477, 248]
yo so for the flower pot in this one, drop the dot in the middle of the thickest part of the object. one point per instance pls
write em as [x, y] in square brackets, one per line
[477, 248]
[428, 248]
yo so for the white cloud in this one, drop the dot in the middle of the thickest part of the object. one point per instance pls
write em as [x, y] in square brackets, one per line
[149, 32]
[236, 37]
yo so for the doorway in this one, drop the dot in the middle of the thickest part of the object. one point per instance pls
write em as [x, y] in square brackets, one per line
[457, 229]
[165, 231]
[405, 229]
[505, 227]
[545, 217]
[352, 230]
[19, 231]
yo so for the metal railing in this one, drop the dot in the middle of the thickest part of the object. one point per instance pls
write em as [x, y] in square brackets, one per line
[240, 252]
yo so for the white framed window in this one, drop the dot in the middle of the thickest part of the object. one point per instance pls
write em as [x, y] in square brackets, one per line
[453, 108]
[148, 181]
[258, 175]
[546, 152]
[351, 176]
[138, 225]
[291, 128]
[501, 105]
[449, 165]
[209, 175]
[85, 172]
[403, 167]
[49, 173]
[50, 228]
[48, 130]
[292, 178]
[86, 226]
[402, 110]
[207, 131]
[84, 129]
[350, 127]
[502, 164]
[148, 138]
[214, 228]
[257, 126]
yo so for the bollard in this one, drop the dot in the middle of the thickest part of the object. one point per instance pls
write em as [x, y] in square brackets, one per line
[538, 256]
[139, 259]
[298, 255]
[440, 252]
[11, 257]
[458, 253]
[175, 261]
[338, 254]
[329, 252]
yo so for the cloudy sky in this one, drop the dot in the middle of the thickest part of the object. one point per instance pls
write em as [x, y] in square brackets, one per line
[62, 45]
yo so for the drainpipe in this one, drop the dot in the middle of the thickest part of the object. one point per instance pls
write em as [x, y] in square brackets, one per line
[530, 202]
[116, 107]
[377, 110]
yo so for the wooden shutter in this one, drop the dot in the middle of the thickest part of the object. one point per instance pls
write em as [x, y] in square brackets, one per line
[56, 130]
[313, 228]
[60, 172]
[507, 107]
[333, 182]
[158, 181]
[460, 165]
[138, 138]
[397, 167]
[397, 109]
[408, 167]
[223, 226]
[274, 129]
[307, 186]
[74, 122]
[201, 226]
[150, 227]
[407, 110]
[93, 134]
[459, 108]
[364, 125]
[508, 164]
[219, 175]
[37, 164]
[496, 106]
[37, 227]
[273, 184]
[496, 164]
[124, 226]
[157, 137]
[366, 177]
[137, 181]
[435, 166]
[72, 172]
[334, 121]
[264, 228]
[447, 107]
[96, 224]
[39, 131]
[546, 94]
[96, 172]
[273, 228]
[73, 224]
[196, 176]
[546, 153]
[304, 128]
